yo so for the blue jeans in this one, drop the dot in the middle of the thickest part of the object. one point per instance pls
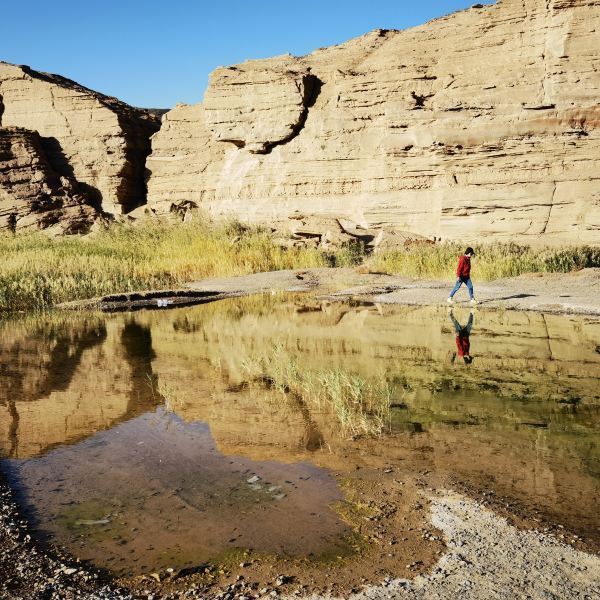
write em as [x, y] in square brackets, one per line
[467, 281]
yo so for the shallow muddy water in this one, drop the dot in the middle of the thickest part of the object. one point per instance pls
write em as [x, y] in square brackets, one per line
[147, 441]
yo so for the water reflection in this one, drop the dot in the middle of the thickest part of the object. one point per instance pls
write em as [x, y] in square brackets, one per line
[78, 394]
[463, 343]
[155, 492]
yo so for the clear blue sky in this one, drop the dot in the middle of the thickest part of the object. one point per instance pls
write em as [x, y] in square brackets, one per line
[155, 54]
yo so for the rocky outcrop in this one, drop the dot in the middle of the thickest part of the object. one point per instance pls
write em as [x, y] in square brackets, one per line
[97, 140]
[32, 194]
[480, 125]
[271, 111]
[181, 158]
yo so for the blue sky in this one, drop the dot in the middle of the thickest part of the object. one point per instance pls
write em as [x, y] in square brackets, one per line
[155, 54]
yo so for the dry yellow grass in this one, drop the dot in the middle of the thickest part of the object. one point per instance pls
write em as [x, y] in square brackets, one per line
[493, 261]
[39, 272]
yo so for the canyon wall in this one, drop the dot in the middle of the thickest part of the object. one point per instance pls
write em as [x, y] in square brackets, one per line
[480, 125]
[87, 137]
[32, 194]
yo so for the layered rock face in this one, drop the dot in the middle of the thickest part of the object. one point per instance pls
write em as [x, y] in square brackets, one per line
[181, 156]
[32, 194]
[97, 140]
[483, 125]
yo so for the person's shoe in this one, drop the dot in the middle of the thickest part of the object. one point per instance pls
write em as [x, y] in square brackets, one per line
[473, 301]
[450, 301]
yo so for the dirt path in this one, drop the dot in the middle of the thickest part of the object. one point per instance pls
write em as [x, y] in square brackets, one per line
[563, 293]
[568, 293]
[559, 293]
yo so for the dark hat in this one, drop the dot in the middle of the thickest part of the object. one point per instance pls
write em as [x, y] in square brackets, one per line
[470, 250]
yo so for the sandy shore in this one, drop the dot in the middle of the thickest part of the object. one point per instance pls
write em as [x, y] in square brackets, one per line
[485, 557]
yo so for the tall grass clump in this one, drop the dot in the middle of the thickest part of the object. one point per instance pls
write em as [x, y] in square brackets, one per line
[361, 406]
[493, 261]
[38, 272]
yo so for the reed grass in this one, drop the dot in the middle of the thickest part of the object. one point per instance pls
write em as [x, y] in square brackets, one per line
[361, 406]
[492, 261]
[38, 272]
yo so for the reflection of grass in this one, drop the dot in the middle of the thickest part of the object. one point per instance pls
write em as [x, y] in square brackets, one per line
[361, 406]
[168, 394]
[493, 261]
[39, 272]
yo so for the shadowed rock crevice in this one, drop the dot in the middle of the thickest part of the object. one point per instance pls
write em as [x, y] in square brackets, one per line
[91, 138]
[312, 88]
[34, 194]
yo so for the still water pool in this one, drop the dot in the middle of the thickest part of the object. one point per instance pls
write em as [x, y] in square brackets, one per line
[149, 440]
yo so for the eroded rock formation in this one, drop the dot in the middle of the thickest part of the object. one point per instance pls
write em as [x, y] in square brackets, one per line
[97, 140]
[32, 194]
[480, 125]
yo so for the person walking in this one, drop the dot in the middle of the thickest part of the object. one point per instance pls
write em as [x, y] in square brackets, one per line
[463, 272]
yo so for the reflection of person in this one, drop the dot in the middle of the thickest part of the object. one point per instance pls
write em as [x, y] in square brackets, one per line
[463, 272]
[463, 343]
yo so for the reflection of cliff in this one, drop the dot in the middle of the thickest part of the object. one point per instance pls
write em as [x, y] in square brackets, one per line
[527, 408]
[64, 379]
[138, 353]
[507, 408]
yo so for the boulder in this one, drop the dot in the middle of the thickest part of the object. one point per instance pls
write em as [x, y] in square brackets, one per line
[272, 109]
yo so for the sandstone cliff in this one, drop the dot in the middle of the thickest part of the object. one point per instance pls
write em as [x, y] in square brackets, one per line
[32, 194]
[97, 140]
[480, 125]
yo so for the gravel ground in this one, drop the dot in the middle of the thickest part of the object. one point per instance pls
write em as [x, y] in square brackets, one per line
[488, 558]
[29, 572]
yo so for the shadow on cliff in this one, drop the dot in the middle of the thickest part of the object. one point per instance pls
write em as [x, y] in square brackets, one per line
[312, 90]
[61, 165]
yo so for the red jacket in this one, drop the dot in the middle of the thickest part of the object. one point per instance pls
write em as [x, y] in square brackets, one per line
[464, 267]
[463, 344]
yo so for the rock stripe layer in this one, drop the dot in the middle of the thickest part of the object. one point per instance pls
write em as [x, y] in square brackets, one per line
[32, 194]
[479, 125]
